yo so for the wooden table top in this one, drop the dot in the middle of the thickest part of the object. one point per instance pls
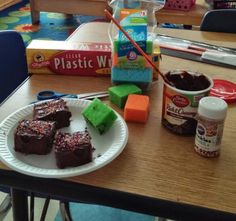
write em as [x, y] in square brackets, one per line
[192, 17]
[98, 32]
[156, 163]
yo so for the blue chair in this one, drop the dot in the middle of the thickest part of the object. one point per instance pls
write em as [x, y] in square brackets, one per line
[13, 72]
[13, 65]
[220, 20]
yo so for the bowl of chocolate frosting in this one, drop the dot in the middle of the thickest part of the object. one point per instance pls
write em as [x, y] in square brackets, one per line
[180, 100]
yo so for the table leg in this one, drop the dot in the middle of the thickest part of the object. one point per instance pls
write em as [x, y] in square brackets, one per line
[35, 15]
[19, 205]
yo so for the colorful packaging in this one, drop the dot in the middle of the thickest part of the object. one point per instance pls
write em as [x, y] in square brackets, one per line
[69, 58]
[74, 58]
[138, 19]
[129, 65]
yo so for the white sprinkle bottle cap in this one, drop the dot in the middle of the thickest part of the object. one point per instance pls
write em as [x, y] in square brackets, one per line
[213, 108]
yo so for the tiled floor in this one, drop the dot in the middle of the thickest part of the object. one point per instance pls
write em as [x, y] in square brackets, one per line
[38, 206]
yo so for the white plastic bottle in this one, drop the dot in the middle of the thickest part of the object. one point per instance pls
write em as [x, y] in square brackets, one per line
[211, 116]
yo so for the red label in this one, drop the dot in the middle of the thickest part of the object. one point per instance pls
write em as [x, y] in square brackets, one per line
[180, 101]
[80, 62]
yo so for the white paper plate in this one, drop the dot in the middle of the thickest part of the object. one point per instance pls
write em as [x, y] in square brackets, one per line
[107, 146]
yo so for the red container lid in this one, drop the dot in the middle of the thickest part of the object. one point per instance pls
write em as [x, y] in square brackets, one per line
[224, 89]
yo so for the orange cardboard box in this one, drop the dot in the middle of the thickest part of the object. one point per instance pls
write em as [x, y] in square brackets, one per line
[69, 58]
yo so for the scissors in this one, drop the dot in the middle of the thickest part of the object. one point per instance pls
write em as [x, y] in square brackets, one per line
[49, 94]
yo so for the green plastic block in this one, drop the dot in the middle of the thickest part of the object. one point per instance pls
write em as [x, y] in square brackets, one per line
[99, 115]
[119, 94]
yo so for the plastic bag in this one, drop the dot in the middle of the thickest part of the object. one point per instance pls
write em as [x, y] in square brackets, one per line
[152, 6]
[138, 19]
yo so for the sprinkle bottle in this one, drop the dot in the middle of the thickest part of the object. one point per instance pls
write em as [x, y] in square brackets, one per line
[211, 116]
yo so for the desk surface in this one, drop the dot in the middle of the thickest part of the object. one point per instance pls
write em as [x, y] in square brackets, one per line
[192, 17]
[156, 166]
[98, 32]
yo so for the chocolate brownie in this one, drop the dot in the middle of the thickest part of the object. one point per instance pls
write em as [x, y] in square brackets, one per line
[72, 149]
[53, 110]
[34, 137]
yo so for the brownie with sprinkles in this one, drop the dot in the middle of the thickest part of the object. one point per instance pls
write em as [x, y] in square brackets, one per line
[53, 110]
[72, 149]
[34, 137]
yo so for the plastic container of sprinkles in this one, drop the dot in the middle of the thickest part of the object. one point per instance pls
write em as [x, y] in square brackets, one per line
[211, 117]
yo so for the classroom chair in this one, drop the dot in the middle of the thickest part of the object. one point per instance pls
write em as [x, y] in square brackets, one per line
[13, 64]
[13, 72]
[220, 20]
[13, 68]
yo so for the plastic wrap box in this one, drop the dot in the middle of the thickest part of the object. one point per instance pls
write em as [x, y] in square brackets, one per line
[69, 58]
[74, 58]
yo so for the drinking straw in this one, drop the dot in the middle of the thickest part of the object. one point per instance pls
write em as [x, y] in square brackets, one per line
[109, 16]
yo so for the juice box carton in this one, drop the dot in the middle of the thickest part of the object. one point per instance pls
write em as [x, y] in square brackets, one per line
[69, 58]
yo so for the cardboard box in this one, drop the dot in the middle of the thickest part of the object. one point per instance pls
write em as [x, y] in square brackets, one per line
[74, 58]
[69, 58]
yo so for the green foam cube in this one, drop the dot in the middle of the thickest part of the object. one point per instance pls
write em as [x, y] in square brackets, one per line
[99, 115]
[119, 94]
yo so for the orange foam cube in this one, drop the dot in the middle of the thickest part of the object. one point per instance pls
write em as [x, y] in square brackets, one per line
[136, 108]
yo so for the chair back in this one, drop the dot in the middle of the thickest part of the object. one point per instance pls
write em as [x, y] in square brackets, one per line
[220, 20]
[13, 64]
